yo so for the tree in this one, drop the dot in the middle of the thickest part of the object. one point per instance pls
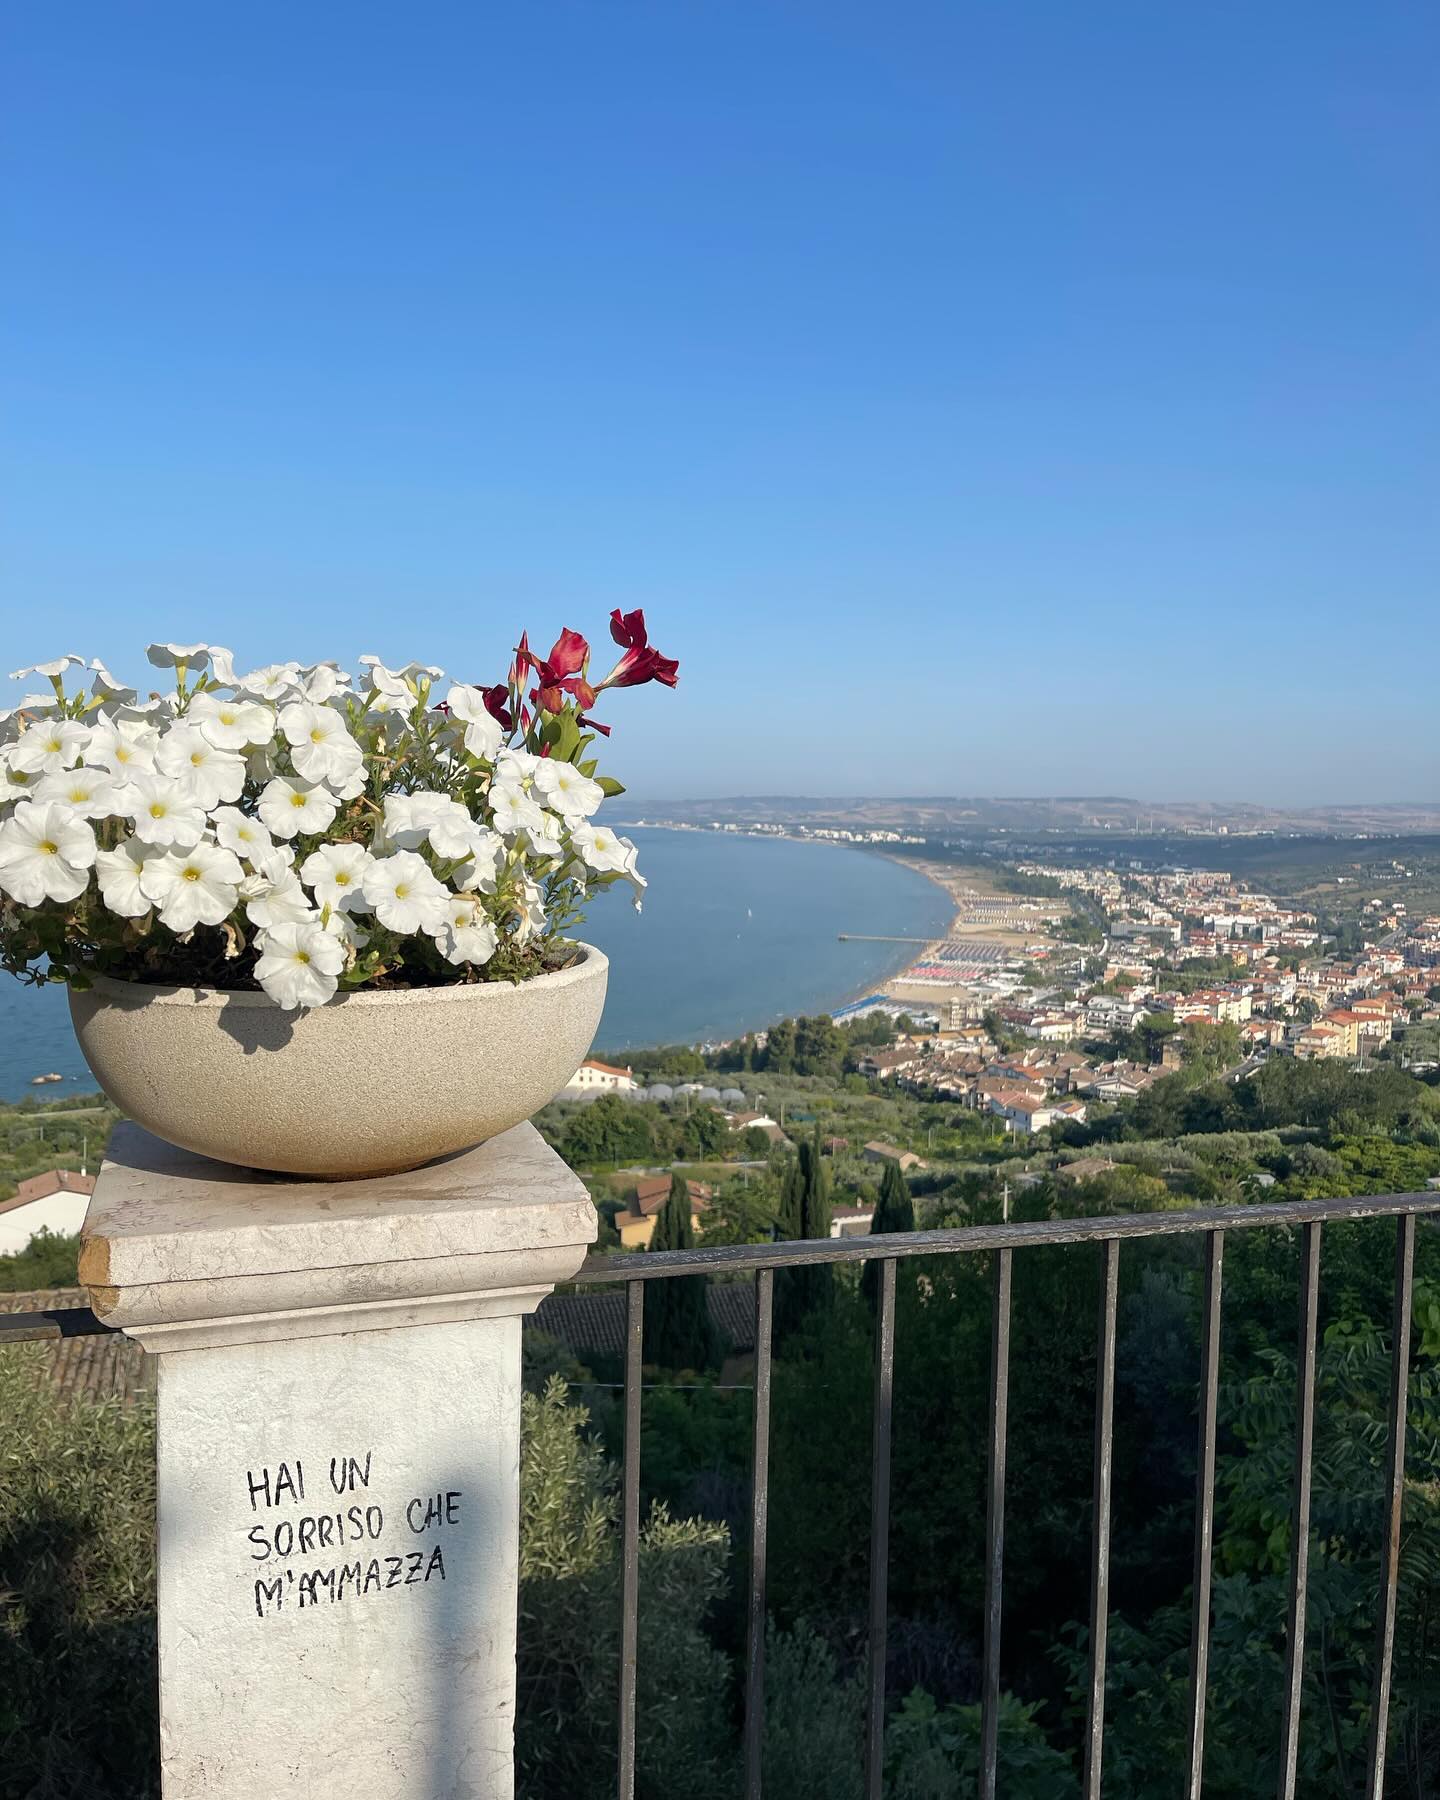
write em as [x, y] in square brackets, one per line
[608, 1130]
[894, 1211]
[678, 1333]
[743, 1212]
[704, 1134]
[804, 1213]
[780, 1047]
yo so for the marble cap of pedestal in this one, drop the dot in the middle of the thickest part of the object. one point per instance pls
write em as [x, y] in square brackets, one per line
[184, 1253]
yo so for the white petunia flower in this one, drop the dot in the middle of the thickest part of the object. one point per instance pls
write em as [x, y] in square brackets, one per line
[186, 753]
[299, 964]
[335, 873]
[468, 936]
[630, 873]
[399, 683]
[290, 807]
[275, 897]
[408, 817]
[46, 853]
[546, 843]
[353, 785]
[178, 656]
[92, 793]
[516, 767]
[198, 886]
[346, 929]
[276, 681]
[167, 812]
[566, 790]
[106, 690]
[323, 681]
[126, 747]
[479, 874]
[514, 811]
[405, 894]
[118, 872]
[600, 849]
[483, 733]
[242, 835]
[412, 818]
[52, 671]
[232, 724]
[49, 746]
[14, 785]
[530, 913]
[321, 746]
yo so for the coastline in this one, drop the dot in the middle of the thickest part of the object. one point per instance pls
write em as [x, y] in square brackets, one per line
[906, 956]
[791, 964]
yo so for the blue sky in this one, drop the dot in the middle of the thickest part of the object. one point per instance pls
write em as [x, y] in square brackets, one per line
[979, 398]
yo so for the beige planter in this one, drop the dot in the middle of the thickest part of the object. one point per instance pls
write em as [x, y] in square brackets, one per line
[367, 1084]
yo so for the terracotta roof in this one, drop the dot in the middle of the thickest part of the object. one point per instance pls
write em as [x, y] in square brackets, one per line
[595, 1322]
[53, 1181]
[108, 1367]
[652, 1191]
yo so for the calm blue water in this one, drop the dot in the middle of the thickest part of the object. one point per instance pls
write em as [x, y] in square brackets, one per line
[736, 932]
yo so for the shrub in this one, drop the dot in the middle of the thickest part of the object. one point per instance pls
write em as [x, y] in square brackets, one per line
[77, 1606]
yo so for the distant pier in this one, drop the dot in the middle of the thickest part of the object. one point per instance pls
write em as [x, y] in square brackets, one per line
[862, 937]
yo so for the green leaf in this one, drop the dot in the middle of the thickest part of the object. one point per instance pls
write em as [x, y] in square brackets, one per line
[610, 786]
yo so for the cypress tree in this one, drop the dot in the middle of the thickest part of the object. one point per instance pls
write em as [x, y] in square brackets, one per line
[678, 1333]
[894, 1211]
[804, 1213]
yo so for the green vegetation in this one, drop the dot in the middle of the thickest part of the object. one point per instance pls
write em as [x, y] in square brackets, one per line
[47, 1261]
[677, 1319]
[36, 1135]
[1288, 1131]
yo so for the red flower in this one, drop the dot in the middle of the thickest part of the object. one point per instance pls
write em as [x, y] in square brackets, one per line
[641, 661]
[560, 672]
[587, 724]
[497, 705]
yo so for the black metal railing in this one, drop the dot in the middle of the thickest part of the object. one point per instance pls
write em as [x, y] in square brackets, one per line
[1005, 1241]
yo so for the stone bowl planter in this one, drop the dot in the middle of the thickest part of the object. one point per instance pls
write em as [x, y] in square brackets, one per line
[368, 1084]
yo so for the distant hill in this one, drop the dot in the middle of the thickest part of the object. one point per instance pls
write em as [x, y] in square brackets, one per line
[1025, 813]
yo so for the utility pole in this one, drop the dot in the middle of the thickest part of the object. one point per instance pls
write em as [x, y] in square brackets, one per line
[1005, 1203]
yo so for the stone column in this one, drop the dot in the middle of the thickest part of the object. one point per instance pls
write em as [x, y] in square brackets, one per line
[339, 1443]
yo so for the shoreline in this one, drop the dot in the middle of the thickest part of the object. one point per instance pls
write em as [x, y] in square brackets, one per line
[41, 1038]
[876, 984]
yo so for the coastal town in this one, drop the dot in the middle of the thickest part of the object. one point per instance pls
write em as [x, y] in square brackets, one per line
[1014, 1011]
[1038, 1008]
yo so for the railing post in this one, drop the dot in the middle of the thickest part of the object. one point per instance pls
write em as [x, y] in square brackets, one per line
[1100, 1528]
[759, 1531]
[1300, 1509]
[995, 1527]
[630, 1535]
[880, 1536]
[1394, 1504]
[1204, 1512]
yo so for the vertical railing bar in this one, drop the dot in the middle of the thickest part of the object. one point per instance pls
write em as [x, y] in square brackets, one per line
[1394, 1502]
[1100, 1529]
[1300, 1508]
[630, 1535]
[880, 1535]
[995, 1526]
[1204, 1511]
[759, 1528]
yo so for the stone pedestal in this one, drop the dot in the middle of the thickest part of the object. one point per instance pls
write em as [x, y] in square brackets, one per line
[339, 1439]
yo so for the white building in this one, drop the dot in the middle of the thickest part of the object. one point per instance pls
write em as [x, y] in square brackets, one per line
[55, 1202]
[600, 1078]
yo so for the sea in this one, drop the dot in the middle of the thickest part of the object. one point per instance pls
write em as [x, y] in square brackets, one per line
[736, 932]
